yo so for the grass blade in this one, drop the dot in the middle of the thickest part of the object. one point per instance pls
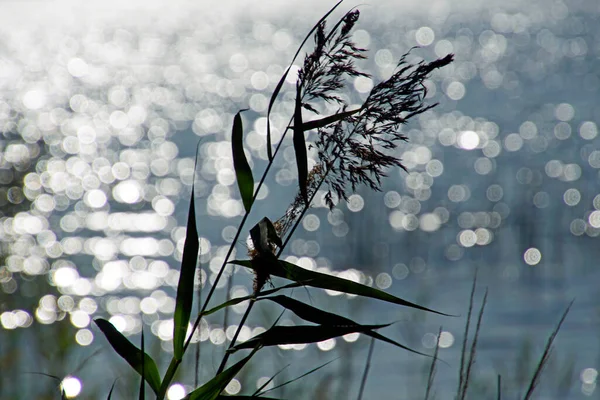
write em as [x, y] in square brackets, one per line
[111, 390]
[545, 355]
[243, 172]
[431, 375]
[185, 287]
[363, 381]
[463, 351]
[213, 388]
[282, 80]
[284, 269]
[277, 335]
[264, 385]
[295, 379]
[313, 314]
[473, 351]
[146, 367]
[142, 395]
[300, 146]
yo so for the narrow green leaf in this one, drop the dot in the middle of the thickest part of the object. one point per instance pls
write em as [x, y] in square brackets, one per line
[295, 273]
[213, 388]
[282, 80]
[300, 146]
[131, 354]
[243, 172]
[313, 314]
[142, 395]
[322, 122]
[185, 287]
[278, 335]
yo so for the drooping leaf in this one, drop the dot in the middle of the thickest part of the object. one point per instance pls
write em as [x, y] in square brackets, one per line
[323, 122]
[313, 314]
[287, 270]
[282, 80]
[243, 172]
[131, 354]
[185, 287]
[213, 388]
[300, 147]
[264, 233]
[278, 335]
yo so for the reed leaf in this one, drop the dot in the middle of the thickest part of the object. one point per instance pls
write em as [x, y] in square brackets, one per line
[313, 314]
[145, 366]
[185, 287]
[325, 121]
[302, 334]
[300, 146]
[284, 269]
[243, 172]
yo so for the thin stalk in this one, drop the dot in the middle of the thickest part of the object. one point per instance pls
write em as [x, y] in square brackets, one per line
[546, 355]
[363, 381]
[499, 391]
[473, 347]
[465, 338]
[237, 332]
[432, 367]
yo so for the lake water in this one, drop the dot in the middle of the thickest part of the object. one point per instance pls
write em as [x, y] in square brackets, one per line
[502, 178]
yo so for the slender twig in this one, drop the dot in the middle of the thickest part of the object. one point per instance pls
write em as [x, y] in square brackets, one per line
[546, 355]
[463, 350]
[473, 347]
[432, 368]
[363, 381]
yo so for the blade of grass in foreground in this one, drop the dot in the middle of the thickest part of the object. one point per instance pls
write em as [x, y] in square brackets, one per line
[287, 270]
[211, 389]
[546, 355]
[243, 172]
[142, 385]
[185, 287]
[146, 368]
[282, 80]
[301, 334]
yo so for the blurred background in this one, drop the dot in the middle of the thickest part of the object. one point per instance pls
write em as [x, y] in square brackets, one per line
[102, 107]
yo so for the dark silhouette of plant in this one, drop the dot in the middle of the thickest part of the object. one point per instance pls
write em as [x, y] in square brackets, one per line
[354, 147]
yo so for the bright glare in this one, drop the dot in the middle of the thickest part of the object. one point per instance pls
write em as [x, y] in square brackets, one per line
[71, 386]
[468, 140]
[176, 392]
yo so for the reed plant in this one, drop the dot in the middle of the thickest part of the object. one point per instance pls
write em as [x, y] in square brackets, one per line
[355, 146]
